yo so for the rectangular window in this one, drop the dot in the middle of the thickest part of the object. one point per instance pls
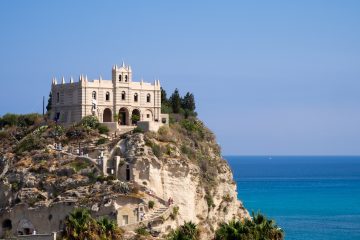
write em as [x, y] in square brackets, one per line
[148, 115]
[125, 220]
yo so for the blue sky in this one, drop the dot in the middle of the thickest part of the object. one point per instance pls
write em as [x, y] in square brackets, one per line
[269, 77]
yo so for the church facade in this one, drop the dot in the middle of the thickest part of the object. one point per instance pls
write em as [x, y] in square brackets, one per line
[118, 100]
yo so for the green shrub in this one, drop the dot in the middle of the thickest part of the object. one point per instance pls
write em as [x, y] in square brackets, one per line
[148, 142]
[192, 125]
[79, 164]
[174, 213]
[15, 186]
[101, 178]
[156, 150]
[76, 133]
[135, 118]
[151, 204]
[30, 119]
[58, 131]
[103, 129]
[209, 200]
[142, 231]
[163, 130]
[101, 141]
[90, 122]
[29, 143]
[138, 130]
[23, 120]
[187, 151]
[169, 150]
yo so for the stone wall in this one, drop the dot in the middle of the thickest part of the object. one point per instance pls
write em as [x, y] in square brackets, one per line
[43, 220]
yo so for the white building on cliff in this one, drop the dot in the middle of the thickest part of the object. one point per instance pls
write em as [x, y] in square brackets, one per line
[119, 100]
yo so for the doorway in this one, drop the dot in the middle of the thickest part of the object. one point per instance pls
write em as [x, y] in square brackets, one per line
[127, 172]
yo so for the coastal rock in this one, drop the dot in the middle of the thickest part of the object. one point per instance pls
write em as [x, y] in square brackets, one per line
[174, 176]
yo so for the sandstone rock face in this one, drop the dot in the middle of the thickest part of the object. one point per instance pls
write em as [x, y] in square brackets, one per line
[181, 179]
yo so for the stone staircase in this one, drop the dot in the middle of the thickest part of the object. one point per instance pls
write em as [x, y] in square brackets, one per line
[157, 212]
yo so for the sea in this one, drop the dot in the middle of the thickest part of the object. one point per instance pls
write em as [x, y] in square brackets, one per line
[309, 197]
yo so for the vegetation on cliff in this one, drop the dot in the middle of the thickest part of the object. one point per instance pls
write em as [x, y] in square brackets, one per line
[80, 225]
[38, 172]
[188, 231]
[176, 104]
[258, 228]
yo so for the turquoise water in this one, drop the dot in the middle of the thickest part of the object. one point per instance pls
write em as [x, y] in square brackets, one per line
[309, 197]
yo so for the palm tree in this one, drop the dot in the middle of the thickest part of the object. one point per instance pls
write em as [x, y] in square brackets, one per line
[78, 224]
[109, 229]
[188, 231]
[266, 228]
[259, 228]
[234, 230]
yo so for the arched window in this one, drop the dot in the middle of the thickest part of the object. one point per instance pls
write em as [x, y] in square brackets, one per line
[120, 78]
[57, 97]
[107, 96]
[123, 95]
[126, 78]
[135, 97]
[148, 97]
[94, 95]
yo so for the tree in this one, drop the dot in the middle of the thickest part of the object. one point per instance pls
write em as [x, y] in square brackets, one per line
[175, 101]
[258, 228]
[90, 122]
[188, 102]
[49, 104]
[164, 99]
[165, 103]
[108, 229]
[80, 225]
[188, 231]
[135, 118]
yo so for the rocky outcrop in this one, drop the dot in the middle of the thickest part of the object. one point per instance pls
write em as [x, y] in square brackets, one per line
[181, 162]
[182, 179]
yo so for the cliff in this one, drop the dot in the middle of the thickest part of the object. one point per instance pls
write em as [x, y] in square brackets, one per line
[181, 162]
